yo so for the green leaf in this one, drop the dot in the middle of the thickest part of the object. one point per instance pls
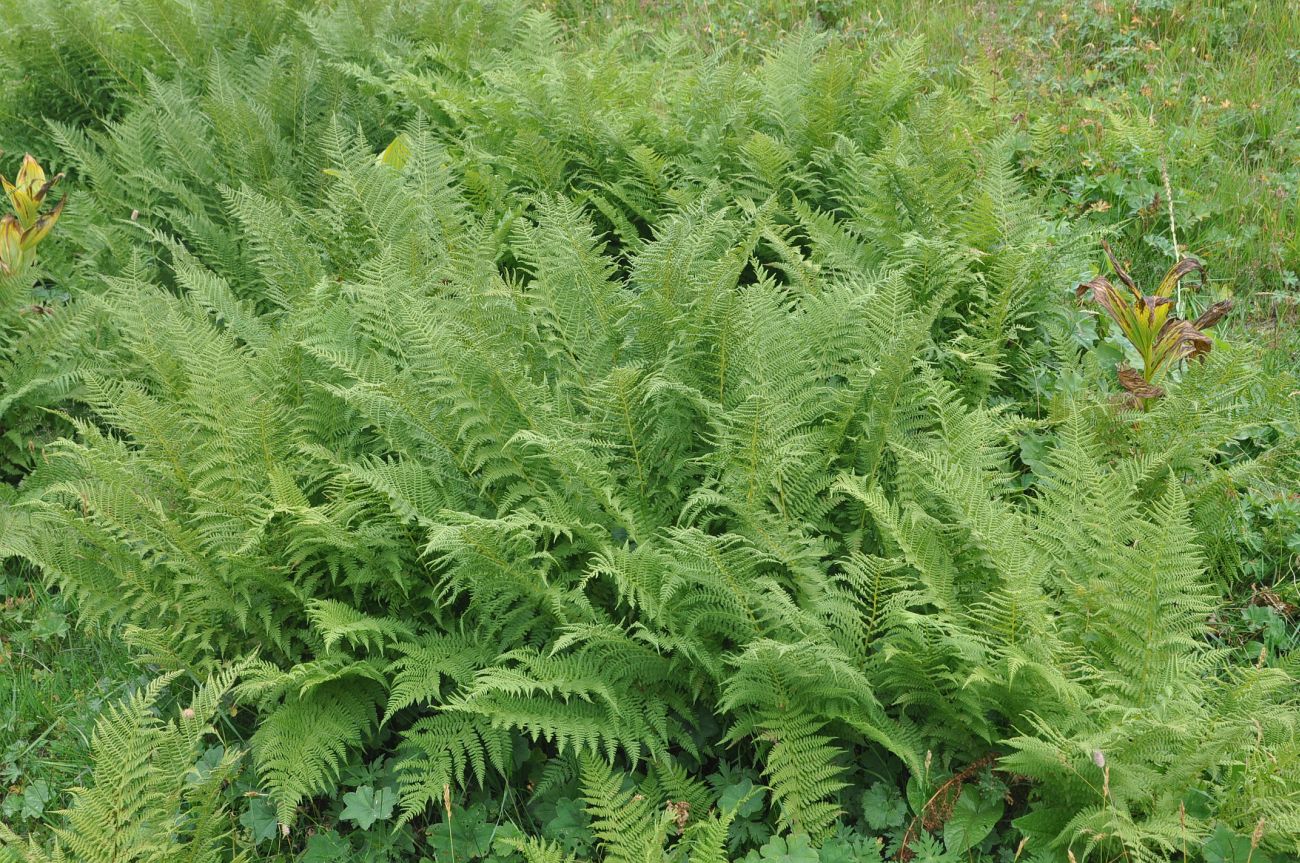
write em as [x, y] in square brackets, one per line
[209, 761]
[1225, 846]
[12, 804]
[570, 826]
[35, 797]
[1034, 449]
[50, 625]
[917, 792]
[365, 806]
[973, 818]
[740, 796]
[327, 847]
[1198, 803]
[397, 153]
[796, 848]
[468, 836]
[505, 834]
[883, 807]
[928, 850]
[851, 847]
[259, 818]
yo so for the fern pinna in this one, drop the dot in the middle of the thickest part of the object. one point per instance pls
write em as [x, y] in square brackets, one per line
[642, 412]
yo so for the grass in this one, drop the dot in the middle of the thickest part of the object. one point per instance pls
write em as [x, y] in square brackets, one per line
[53, 682]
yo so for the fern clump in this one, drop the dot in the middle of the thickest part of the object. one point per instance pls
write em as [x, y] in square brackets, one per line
[528, 408]
[155, 793]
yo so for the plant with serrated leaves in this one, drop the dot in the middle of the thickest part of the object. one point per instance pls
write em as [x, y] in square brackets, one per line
[146, 800]
[620, 436]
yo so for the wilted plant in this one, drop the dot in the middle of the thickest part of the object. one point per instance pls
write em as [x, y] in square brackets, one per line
[23, 229]
[1161, 338]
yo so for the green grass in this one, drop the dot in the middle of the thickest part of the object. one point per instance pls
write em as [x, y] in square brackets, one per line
[54, 680]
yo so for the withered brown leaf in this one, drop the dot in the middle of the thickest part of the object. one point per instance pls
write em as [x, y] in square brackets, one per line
[1131, 379]
[1213, 314]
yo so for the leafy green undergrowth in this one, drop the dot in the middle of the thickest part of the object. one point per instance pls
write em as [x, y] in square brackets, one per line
[524, 445]
[54, 681]
[1122, 103]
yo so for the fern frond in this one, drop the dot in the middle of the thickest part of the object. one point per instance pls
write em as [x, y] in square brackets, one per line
[301, 746]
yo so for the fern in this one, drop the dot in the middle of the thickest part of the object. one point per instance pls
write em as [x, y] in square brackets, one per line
[146, 801]
[300, 747]
[644, 406]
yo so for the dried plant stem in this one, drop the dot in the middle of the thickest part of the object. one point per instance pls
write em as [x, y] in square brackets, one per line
[1173, 228]
[1169, 197]
[1169, 201]
[929, 810]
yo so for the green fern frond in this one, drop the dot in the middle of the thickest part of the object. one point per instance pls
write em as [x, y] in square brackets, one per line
[301, 745]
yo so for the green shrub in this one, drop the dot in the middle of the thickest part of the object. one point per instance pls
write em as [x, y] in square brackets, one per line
[643, 410]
